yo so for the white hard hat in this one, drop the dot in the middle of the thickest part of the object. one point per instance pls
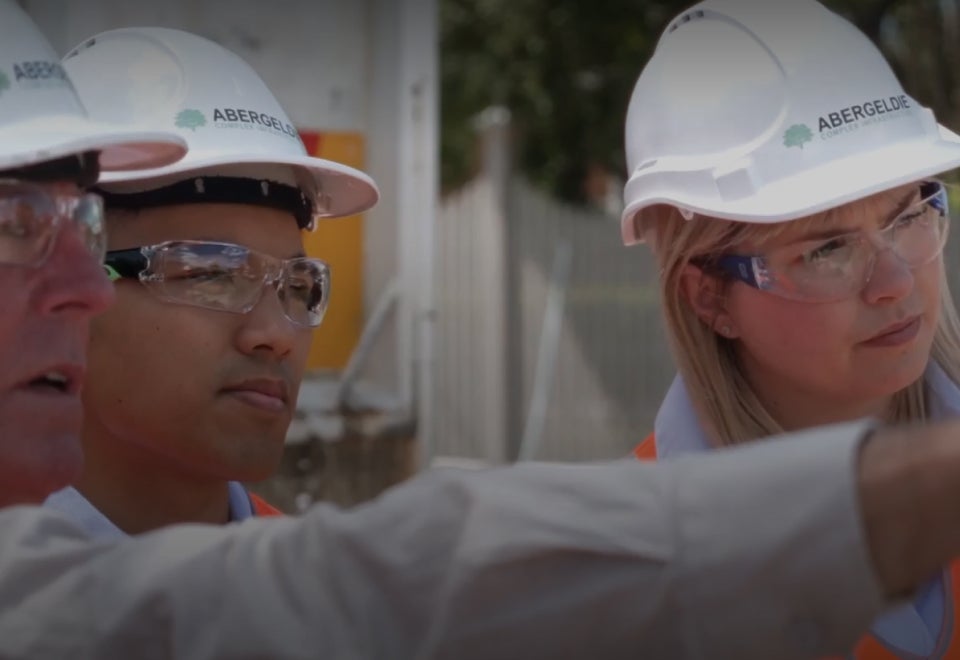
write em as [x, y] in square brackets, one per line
[166, 78]
[771, 110]
[41, 118]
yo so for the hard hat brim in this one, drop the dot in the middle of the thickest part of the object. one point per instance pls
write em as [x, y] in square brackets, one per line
[818, 189]
[346, 190]
[40, 140]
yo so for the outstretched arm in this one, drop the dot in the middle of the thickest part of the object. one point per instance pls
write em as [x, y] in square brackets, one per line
[753, 552]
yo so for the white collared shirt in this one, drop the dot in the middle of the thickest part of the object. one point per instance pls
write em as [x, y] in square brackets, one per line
[622, 560]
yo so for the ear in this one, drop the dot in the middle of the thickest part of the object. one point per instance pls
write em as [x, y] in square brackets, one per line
[705, 295]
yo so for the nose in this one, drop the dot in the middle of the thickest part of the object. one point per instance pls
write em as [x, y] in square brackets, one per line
[73, 283]
[266, 330]
[890, 280]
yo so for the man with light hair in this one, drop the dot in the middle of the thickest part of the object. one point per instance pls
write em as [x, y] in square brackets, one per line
[816, 535]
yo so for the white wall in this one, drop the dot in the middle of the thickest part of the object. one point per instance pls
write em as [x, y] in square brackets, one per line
[312, 53]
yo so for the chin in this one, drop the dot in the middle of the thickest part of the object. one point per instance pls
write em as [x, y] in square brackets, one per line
[886, 382]
[258, 463]
[55, 467]
[252, 473]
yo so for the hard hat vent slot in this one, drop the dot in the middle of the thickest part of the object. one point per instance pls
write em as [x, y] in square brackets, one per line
[89, 43]
[685, 18]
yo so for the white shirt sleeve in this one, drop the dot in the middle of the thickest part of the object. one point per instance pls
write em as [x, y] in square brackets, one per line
[754, 553]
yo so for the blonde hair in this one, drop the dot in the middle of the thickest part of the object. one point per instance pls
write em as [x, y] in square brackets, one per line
[728, 407]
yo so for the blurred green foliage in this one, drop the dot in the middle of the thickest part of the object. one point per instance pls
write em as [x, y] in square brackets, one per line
[566, 68]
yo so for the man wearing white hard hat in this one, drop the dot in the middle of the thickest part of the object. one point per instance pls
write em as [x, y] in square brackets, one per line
[51, 241]
[194, 372]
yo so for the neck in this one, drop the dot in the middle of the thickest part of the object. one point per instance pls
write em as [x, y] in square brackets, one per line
[139, 490]
[796, 408]
[811, 412]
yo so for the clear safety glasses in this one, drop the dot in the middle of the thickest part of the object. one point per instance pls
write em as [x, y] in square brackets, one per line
[838, 267]
[225, 277]
[31, 215]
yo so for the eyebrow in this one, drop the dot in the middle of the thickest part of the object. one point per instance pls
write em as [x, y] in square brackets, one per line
[822, 234]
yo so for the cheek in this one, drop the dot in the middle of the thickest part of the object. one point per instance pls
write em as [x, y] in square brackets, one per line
[928, 284]
[300, 352]
[301, 348]
[785, 331]
[144, 352]
[16, 319]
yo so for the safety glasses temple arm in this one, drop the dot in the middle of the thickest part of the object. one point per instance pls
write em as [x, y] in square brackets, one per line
[124, 263]
[741, 267]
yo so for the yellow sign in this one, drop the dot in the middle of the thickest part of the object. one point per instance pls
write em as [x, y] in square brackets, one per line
[339, 242]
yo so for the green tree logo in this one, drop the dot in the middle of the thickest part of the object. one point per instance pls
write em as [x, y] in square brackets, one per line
[797, 136]
[192, 119]
[4, 82]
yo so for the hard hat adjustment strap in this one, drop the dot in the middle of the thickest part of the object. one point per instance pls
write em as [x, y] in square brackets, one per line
[218, 190]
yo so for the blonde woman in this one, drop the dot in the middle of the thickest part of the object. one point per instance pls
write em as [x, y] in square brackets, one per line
[787, 188]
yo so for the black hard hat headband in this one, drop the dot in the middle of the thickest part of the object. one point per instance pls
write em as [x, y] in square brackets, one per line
[219, 190]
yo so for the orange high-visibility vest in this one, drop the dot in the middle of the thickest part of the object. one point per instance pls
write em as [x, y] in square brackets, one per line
[870, 647]
[261, 507]
[646, 450]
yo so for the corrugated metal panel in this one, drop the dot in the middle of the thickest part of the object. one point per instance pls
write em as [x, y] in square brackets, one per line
[612, 366]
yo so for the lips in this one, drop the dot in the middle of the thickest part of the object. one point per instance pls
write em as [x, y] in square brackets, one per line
[264, 393]
[266, 386]
[63, 377]
[896, 333]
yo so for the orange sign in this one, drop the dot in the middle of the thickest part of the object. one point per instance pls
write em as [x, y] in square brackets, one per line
[339, 242]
